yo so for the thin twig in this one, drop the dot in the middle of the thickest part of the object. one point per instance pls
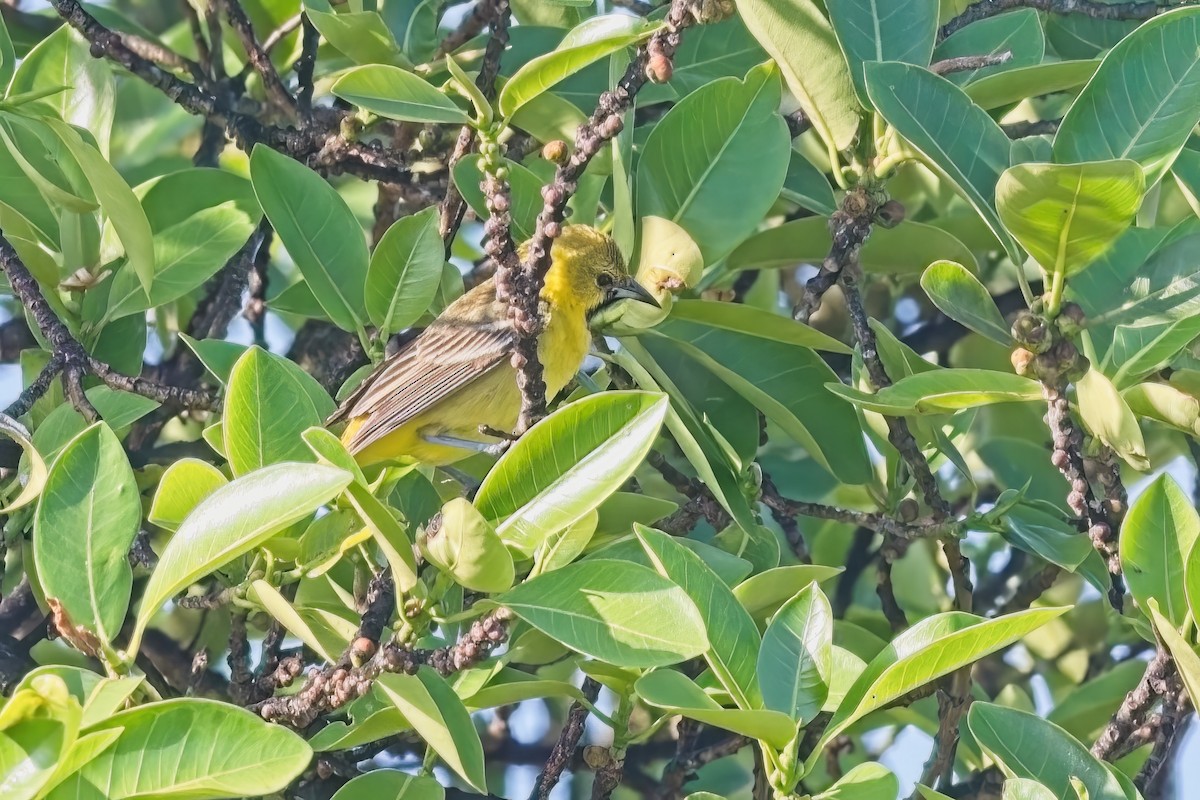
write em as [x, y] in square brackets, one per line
[969, 63]
[258, 58]
[1088, 8]
[568, 740]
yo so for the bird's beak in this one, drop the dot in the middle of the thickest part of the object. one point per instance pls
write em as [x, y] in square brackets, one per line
[629, 289]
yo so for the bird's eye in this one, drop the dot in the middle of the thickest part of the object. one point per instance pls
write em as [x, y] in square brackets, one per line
[604, 280]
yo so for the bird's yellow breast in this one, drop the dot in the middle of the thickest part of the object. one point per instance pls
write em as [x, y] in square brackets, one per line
[493, 399]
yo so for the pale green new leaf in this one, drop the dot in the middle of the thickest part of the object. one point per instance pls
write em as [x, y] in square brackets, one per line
[962, 297]
[615, 611]
[796, 659]
[674, 692]
[234, 520]
[395, 93]
[1158, 533]
[800, 39]
[1068, 215]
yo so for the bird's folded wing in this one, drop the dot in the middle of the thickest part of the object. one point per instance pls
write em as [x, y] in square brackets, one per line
[439, 362]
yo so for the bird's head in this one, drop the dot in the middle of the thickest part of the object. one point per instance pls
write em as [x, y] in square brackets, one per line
[588, 272]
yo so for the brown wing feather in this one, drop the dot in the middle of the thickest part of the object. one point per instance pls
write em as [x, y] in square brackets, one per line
[444, 358]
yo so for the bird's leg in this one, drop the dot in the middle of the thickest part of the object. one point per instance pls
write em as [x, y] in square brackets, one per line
[468, 444]
[496, 433]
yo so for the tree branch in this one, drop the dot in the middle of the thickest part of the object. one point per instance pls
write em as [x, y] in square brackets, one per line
[1088, 8]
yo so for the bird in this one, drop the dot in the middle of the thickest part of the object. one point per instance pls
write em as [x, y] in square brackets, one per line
[445, 393]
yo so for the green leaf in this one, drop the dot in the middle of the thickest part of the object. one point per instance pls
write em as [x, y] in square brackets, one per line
[86, 89]
[673, 692]
[1067, 216]
[1180, 649]
[390, 784]
[467, 548]
[326, 633]
[712, 462]
[808, 186]
[397, 94]
[963, 298]
[1030, 747]
[935, 646]
[1149, 354]
[118, 409]
[740, 318]
[1018, 33]
[615, 611]
[718, 186]
[567, 464]
[389, 534]
[939, 391]
[38, 728]
[267, 408]
[405, 272]
[1025, 789]
[185, 256]
[234, 520]
[796, 660]
[1005, 88]
[869, 781]
[436, 713]
[870, 30]
[590, 41]
[190, 748]
[85, 524]
[116, 199]
[1036, 530]
[362, 36]
[905, 249]
[8, 57]
[565, 546]
[1151, 82]
[185, 483]
[1109, 418]
[794, 398]
[955, 136]
[621, 510]
[732, 636]
[763, 593]
[796, 34]
[33, 479]
[319, 231]
[1156, 537]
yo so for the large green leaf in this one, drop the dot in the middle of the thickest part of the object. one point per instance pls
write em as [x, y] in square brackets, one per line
[786, 383]
[796, 660]
[744, 319]
[877, 30]
[86, 521]
[182, 486]
[718, 186]
[116, 199]
[1018, 33]
[905, 249]
[319, 231]
[955, 136]
[674, 692]
[796, 34]
[590, 41]
[191, 749]
[567, 464]
[1030, 747]
[1156, 537]
[1109, 418]
[763, 593]
[732, 636]
[1150, 82]
[1012, 86]
[696, 438]
[390, 784]
[441, 719]
[615, 611]
[267, 407]
[397, 94]
[362, 36]
[943, 390]
[1067, 216]
[933, 647]
[962, 297]
[234, 520]
[87, 90]
[185, 256]
[8, 57]
[405, 272]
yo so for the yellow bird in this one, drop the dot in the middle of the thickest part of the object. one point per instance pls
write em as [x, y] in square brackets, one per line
[429, 401]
